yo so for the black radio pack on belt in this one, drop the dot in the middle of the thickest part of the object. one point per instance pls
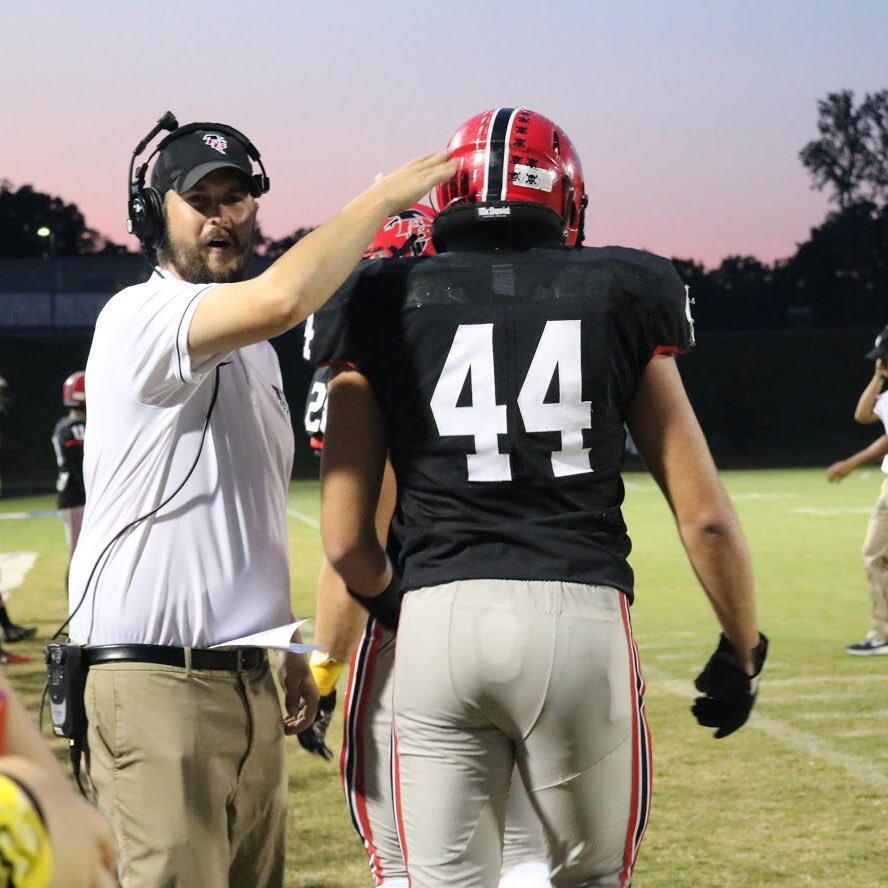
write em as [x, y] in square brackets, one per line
[66, 672]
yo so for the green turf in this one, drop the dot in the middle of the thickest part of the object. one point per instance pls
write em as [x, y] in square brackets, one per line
[794, 799]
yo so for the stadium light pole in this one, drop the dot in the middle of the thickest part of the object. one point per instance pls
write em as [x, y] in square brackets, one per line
[46, 231]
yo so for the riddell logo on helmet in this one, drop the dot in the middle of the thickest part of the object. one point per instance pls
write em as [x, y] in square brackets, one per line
[494, 212]
[214, 140]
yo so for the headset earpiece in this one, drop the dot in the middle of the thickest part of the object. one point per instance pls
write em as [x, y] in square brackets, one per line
[146, 216]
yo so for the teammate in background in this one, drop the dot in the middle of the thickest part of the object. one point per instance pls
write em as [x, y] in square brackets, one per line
[344, 633]
[67, 441]
[497, 376]
[11, 631]
[184, 545]
[872, 407]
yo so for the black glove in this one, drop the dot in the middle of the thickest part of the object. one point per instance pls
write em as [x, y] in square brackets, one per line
[730, 692]
[384, 607]
[313, 738]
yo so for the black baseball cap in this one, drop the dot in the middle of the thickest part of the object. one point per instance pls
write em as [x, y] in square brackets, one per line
[880, 349]
[182, 163]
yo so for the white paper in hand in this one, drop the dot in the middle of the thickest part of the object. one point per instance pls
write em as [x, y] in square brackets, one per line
[277, 639]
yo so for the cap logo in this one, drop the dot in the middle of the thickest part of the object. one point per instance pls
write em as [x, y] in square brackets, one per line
[214, 140]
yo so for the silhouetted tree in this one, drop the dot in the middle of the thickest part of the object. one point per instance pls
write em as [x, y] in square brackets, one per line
[24, 211]
[851, 154]
[271, 249]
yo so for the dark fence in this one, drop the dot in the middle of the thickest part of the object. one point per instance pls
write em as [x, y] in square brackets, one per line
[769, 398]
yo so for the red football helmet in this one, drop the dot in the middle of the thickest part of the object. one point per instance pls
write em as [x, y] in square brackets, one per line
[74, 390]
[512, 154]
[404, 234]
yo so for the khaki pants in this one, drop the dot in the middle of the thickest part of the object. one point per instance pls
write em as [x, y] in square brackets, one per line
[189, 768]
[875, 562]
[366, 764]
[490, 673]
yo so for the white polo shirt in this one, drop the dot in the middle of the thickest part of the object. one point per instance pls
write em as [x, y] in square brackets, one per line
[213, 563]
[880, 408]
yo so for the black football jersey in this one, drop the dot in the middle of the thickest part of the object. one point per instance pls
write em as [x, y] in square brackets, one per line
[315, 419]
[505, 380]
[67, 441]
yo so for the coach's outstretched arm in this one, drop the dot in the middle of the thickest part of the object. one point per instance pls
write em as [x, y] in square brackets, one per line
[300, 281]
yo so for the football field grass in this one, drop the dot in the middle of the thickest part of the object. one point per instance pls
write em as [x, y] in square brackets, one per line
[796, 798]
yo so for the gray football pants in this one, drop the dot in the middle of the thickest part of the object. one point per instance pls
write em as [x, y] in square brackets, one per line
[490, 673]
[366, 764]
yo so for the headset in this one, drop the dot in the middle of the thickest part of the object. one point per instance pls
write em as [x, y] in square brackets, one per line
[145, 204]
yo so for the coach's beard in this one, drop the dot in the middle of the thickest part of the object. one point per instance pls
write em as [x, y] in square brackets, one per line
[199, 264]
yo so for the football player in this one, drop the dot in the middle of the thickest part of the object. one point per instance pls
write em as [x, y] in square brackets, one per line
[344, 633]
[67, 441]
[497, 376]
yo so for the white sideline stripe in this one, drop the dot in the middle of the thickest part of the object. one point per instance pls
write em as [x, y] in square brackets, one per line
[809, 679]
[820, 697]
[879, 715]
[15, 516]
[863, 732]
[646, 636]
[829, 513]
[14, 567]
[763, 496]
[305, 519]
[857, 766]
[644, 646]
[682, 655]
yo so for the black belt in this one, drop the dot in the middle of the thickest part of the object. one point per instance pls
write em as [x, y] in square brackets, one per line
[233, 660]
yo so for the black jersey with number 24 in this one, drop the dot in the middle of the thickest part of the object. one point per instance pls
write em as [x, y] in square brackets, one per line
[505, 380]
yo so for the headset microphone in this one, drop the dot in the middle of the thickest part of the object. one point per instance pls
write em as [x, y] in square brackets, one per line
[167, 122]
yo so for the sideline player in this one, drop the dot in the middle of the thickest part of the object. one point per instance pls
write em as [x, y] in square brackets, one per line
[872, 407]
[498, 376]
[344, 633]
[67, 441]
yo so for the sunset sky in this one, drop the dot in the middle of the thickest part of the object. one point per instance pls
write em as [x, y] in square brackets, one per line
[688, 116]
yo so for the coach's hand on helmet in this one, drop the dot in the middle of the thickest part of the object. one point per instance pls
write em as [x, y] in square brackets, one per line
[407, 184]
[729, 689]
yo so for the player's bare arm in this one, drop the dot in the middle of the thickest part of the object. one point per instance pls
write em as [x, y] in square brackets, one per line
[299, 282]
[864, 411]
[352, 468]
[871, 454]
[672, 444]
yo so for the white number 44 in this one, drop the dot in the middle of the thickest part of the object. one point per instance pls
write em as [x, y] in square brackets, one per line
[471, 354]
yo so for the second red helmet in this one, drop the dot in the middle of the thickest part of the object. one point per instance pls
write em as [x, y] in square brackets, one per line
[408, 233]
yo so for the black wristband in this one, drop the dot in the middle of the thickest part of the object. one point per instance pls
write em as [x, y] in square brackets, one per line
[384, 607]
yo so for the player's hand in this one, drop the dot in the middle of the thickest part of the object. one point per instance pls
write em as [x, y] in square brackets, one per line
[300, 693]
[729, 690]
[314, 738]
[407, 184]
[837, 471]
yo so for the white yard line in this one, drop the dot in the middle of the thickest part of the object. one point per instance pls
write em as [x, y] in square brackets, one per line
[305, 519]
[829, 513]
[753, 495]
[17, 516]
[862, 769]
[817, 679]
